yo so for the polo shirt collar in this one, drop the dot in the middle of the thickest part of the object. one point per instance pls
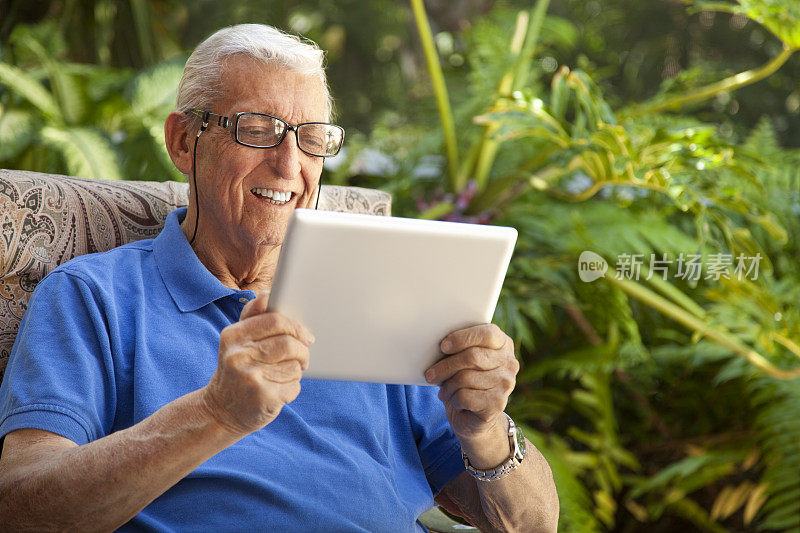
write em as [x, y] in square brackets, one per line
[188, 281]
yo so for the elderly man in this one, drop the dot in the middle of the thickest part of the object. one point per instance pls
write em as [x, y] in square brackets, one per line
[151, 387]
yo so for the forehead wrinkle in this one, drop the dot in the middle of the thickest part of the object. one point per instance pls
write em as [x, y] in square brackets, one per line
[264, 97]
[274, 108]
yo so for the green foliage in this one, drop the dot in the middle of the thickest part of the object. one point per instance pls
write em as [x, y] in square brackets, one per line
[656, 400]
[778, 436]
[781, 17]
[86, 152]
[80, 119]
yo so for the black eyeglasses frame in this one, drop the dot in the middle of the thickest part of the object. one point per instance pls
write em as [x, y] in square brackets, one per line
[232, 124]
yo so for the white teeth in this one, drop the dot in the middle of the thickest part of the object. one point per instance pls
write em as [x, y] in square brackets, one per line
[277, 197]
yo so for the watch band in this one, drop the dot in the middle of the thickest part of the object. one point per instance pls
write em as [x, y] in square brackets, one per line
[516, 442]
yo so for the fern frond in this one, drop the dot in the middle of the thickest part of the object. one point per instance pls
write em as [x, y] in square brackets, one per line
[777, 424]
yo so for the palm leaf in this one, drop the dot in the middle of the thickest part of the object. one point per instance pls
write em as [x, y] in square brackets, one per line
[23, 85]
[17, 130]
[155, 88]
[85, 152]
[68, 93]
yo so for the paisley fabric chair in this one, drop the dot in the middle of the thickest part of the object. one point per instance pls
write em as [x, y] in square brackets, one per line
[48, 219]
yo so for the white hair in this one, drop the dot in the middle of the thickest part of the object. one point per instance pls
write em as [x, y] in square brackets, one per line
[201, 82]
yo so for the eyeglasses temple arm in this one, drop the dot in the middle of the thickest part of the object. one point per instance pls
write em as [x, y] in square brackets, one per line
[206, 115]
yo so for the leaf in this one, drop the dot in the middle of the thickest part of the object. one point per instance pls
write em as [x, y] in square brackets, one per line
[101, 82]
[781, 17]
[17, 130]
[690, 510]
[688, 474]
[559, 94]
[778, 402]
[574, 498]
[155, 129]
[72, 101]
[560, 32]
[68, 93]
[45, 33]
[86, 152]
[762, 139]
[155, 88]
[730, 500]
[754, 502]
[28, 88]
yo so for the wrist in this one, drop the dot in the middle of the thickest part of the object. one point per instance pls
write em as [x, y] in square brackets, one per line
[490, 448]
[211, 410]
[516, 447]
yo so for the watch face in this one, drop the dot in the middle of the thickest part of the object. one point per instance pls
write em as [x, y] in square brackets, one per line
[520, 440]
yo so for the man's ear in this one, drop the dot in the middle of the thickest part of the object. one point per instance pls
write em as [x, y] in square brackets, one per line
[176, 134]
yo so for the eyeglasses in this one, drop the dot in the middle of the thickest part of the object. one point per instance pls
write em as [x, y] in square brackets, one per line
[259, 130]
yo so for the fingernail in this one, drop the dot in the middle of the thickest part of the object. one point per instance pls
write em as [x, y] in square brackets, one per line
[446, 345]
[310, 338]
[429, 376]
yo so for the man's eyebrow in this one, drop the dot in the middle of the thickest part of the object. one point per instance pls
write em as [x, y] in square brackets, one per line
[272, 112]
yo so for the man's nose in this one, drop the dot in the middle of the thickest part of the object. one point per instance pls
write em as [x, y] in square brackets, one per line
[286, 161]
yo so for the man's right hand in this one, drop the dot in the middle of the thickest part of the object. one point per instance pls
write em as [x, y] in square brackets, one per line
[261, 361]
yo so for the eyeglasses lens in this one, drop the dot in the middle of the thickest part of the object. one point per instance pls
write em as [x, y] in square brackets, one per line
[320, 139]
[259, 130]
[264, 131]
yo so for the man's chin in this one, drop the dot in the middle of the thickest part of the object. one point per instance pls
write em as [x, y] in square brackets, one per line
[273, 233]
[272, 240]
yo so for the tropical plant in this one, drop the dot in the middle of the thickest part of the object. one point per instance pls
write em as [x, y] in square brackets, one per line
[658, 398]
[80, 119]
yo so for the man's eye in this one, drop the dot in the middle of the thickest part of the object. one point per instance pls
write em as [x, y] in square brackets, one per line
[315, 142]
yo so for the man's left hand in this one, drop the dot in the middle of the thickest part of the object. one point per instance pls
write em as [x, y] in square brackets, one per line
[476, 379]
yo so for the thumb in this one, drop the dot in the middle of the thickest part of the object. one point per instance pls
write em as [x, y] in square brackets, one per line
[257, 306]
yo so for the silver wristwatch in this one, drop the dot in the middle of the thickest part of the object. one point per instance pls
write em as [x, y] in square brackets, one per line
[516, 441]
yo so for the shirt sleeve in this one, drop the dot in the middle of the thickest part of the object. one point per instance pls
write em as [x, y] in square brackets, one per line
[59, 376]
[439, 450]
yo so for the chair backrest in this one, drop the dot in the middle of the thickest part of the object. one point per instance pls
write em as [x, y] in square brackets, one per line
[47, 219]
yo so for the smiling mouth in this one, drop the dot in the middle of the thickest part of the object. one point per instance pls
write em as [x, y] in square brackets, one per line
[272, 196]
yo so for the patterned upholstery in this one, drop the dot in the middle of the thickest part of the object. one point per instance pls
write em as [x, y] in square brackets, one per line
[48, 219]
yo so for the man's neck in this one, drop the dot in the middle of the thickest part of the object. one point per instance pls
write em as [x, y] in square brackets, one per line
[246, 267]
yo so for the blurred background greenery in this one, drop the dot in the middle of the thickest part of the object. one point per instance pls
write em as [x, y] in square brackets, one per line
[616, 126]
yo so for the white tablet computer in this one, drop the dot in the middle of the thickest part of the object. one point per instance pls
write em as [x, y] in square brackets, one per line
[380, 293]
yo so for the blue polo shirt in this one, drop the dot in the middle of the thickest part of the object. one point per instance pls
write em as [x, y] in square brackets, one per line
[110, 338]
